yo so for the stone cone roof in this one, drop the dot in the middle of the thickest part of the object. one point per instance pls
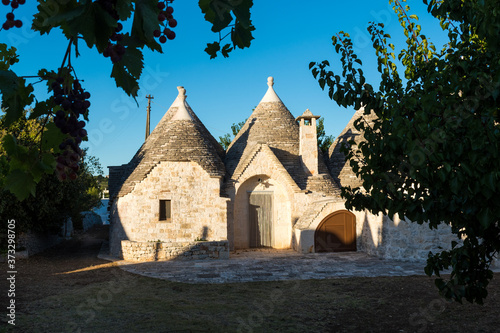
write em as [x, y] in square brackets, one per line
[272, 124]
[179, 136]
[341, 170]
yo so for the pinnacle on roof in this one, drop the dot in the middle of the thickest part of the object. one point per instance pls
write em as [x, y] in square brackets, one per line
[270, 95]
[182, 112]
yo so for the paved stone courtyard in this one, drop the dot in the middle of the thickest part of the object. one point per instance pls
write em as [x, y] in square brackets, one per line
[273, 265]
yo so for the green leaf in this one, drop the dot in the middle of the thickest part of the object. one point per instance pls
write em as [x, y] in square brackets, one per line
[52, 137]
[8, 57]
[20, 183]
[322, 82]
[219, 12]
[212, 49]
[242, 13]
[64, 14]
[95, 26]
[9, 143]
[125, 80]
[226, 49]
[241, 36]
[133, 61]
[124, 8]
[40, 109]
[145, 22]
[15, 95]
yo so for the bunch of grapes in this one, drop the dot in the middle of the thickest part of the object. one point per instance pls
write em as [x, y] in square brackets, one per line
[166, 20]
[115, 51]
[11, 19]
[73, 102]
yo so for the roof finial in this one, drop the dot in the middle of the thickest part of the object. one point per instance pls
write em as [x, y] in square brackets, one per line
[182, 93]
[270, 95]
[270, 81]
[182, 112]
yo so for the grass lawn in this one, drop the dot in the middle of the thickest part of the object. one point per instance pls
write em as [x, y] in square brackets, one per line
[67, 289]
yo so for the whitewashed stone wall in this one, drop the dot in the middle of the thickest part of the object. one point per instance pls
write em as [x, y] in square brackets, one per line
[197, 210]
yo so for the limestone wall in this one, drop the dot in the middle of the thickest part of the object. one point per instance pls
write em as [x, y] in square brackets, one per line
[377, 235]
[197, 210]
[402, 239]
[152, 251]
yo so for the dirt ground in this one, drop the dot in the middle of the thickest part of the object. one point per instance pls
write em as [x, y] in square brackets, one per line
[68, 289]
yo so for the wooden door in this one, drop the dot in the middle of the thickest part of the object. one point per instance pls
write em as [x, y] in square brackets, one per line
[336, 233]
[261, 219]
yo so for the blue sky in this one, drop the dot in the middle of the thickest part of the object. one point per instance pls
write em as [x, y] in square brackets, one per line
[288, 35]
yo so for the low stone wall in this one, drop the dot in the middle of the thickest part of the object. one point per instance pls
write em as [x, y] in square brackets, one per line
[152, 251]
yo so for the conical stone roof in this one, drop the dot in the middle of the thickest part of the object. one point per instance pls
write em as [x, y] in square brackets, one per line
[340, 169]
[270, 123]
[179, 136]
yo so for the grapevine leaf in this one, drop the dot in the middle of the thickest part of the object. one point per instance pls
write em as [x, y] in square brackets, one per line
[49, 163]
[9, 143]
[7, 57]
[15, 95]
[242, 13]
[205, 9]
[20, 183]
[95, 25]
[52, 137]
[212, 49]
[133, 61]
[242, 37]
[64, 16]
[124, 9]
[40, 109]
[226, 49]
[125, 80]
[217, 12]
[145, 23]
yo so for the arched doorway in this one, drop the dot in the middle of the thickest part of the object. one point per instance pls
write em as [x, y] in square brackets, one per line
[336, 233]
[262, 214]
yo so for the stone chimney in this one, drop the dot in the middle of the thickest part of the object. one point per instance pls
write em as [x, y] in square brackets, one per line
[308, 148]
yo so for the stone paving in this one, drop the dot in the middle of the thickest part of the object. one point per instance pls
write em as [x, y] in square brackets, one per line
[272, 265]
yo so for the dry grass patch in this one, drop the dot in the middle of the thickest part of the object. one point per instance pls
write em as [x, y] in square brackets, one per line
[107, 299]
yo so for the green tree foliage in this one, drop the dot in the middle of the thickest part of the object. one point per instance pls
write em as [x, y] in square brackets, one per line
[227, 138]
[54, 201]
[324, 141]
[431, 154]
[99, 25]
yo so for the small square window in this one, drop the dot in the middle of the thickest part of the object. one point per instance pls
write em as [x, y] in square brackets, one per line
[165, 210]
